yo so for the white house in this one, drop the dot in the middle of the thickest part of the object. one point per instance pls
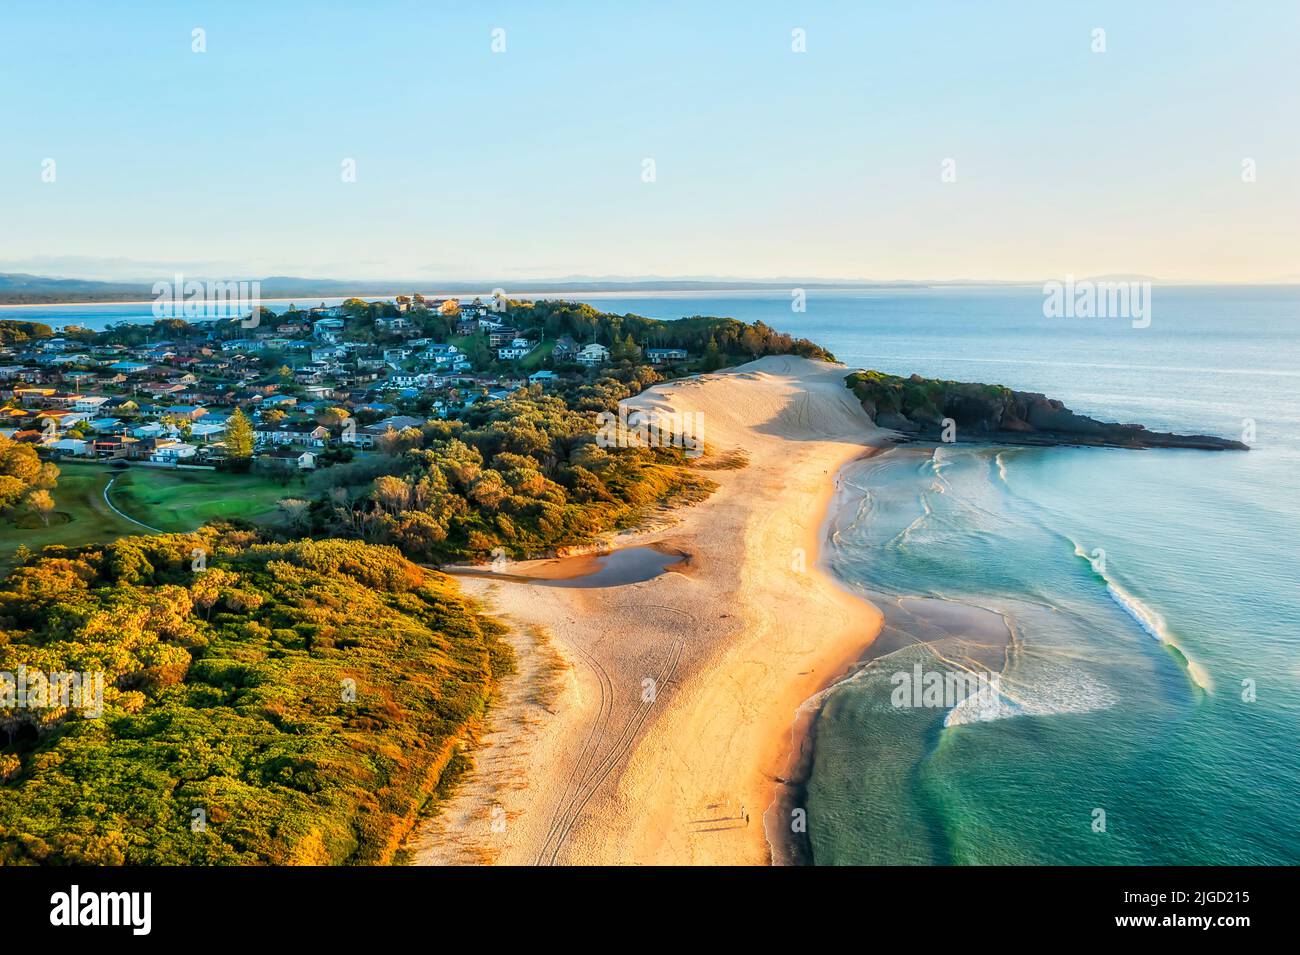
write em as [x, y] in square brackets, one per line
[208, 432]
[173, 453]
[442, 354]
[151, 430]
[70, 446]
[593, 354]
[397, 324]
[658, 356]
[421, 380]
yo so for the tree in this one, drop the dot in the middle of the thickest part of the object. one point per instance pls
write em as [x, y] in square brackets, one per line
[294, 511]
[712, 356]
[207, 587]
[391, 493]
[41, 503]
[239, 436]
[489, 490]
[333, 417]
[21, 470]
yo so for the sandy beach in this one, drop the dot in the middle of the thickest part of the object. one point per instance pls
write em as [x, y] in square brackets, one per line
[647, 720]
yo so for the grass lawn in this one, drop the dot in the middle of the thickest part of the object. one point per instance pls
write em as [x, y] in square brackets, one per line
[167, 500]
[185, 500]
[534, 359]
[80, 517]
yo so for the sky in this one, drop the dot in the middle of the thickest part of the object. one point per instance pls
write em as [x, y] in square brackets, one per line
[907, 141]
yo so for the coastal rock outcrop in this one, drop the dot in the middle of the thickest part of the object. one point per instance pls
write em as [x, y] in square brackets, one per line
[917, 407]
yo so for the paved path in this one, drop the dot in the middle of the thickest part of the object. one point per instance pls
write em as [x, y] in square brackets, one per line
[113, 507]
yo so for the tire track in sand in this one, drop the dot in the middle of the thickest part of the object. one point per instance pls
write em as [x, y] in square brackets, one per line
[589, 778]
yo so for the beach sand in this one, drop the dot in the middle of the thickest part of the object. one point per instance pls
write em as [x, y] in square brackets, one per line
[645, 716]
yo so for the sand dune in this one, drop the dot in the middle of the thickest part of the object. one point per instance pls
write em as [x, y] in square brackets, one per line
[662, 708]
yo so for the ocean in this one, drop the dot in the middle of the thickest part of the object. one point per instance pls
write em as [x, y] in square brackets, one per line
[1147, 705]
[1140, 610]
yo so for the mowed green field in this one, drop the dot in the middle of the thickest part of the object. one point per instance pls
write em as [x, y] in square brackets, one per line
[161, 499]
[184, 500]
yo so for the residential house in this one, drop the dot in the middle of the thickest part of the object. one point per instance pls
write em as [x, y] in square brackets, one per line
[442, 354]
[286, 459]
[306, 433]
[71, 447]
[186, 412]
[518, 348]
[327, 329]
[659, 356]
[113, 447]
[89, 402]
[398, 323]
[565, 348]
[593, 354]
[207, 432]
[167, 451]
[502, 335]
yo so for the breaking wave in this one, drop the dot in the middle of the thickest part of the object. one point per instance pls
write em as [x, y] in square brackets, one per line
[1151, 622]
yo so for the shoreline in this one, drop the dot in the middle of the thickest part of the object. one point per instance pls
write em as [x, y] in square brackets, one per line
[681, 696]
[790, 790]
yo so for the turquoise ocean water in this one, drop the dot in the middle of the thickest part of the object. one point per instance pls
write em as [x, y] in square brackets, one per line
[1123, 686]
[1160, 686]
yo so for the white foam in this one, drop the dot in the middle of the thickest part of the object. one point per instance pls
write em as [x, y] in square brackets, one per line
[1150, 621]
[1053, 691]
[1154, 624]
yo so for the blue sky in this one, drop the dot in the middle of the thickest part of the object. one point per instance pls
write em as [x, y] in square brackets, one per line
[768, 163]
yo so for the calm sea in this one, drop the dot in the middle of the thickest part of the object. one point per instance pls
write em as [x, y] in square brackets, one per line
[1148, 706]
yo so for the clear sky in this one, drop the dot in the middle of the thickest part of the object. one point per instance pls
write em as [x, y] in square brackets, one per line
[528, 163]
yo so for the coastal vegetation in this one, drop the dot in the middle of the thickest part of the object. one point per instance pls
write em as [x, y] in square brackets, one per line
[25, 480]
[19, 332]
[726, 340]
[518, 477]
[960, 410]
[262, 702]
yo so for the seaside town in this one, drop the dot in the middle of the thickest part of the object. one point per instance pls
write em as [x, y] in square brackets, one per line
[292, 391]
